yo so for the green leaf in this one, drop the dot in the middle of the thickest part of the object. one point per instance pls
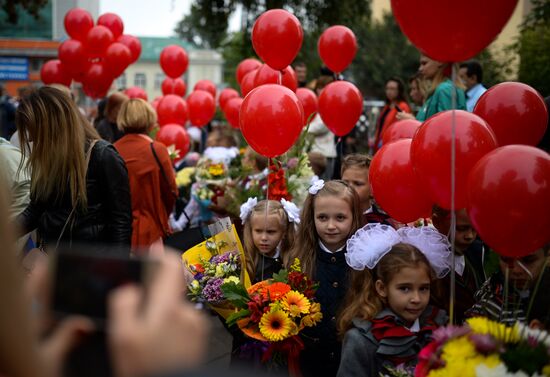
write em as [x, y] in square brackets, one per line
[233, 318]
[236, 294]
[281, 277]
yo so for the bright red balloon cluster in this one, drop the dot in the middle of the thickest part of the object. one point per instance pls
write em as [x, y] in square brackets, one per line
[174, 61]
[337, 47]
[431, 153]
[340, 106]
[174, 135]
[94, 55]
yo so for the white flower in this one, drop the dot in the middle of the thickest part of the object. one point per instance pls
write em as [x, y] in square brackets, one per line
[500, 370]
[291, 210]
[247, 207]
[316, 186]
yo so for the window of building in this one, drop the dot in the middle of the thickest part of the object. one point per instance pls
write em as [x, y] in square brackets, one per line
[121, 81]
[159, 78]
[140, 80]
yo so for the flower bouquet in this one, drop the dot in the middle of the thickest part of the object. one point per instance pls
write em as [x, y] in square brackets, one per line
[274, 312]
[214, 262]
[484, 348]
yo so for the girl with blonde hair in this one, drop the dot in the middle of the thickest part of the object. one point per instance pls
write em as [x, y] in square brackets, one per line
[79, 184]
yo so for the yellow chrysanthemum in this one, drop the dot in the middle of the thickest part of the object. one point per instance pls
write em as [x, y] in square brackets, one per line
[296, 303]
[275, 325]
[215, 170]
[232, 279]
[461, 359]
[183, 178]
[497, 330]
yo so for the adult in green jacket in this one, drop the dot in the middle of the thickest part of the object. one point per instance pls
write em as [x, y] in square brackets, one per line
[440, 93]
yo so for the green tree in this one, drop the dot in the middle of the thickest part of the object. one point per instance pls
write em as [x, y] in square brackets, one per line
[532, 47]
[383, 52]
[30, 6]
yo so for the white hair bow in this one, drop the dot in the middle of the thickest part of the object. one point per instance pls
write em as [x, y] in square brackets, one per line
[247, 207]
[370, 243]
[292, 211]
[316, 185]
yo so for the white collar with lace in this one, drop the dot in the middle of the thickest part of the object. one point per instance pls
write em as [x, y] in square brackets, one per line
[325, 249]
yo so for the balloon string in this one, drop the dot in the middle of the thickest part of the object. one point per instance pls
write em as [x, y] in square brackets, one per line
[269, 162]
[280, 78]
[453, 209]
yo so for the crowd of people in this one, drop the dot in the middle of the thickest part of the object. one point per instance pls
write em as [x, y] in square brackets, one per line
[383, 286]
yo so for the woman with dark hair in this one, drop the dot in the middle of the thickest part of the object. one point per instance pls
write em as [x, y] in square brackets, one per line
[79, 184]
[395, 103]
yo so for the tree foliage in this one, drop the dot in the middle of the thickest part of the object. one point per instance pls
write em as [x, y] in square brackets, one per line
[532, 47]
[33, 7]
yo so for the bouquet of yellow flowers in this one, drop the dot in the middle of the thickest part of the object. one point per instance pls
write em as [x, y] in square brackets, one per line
[484, 348]
[275, 311]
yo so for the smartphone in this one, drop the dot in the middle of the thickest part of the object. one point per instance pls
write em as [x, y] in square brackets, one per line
[83, 277]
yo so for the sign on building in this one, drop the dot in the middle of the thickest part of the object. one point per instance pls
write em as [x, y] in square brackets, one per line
[12, 68]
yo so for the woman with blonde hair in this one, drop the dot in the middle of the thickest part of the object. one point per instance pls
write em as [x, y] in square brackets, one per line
[440, 90]
[152, 177]
[79, 184]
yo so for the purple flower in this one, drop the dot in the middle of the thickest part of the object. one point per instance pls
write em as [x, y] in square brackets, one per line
[484, 343]
[292, 162]
[217, 259]
[442, 334]
[212, 291]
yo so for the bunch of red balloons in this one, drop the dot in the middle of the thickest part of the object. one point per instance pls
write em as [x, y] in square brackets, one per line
[94, 55]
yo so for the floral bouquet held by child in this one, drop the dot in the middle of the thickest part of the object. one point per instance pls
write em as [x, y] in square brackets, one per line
[275, 311]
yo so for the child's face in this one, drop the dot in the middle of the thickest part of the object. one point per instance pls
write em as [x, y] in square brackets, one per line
[358, 178]
[465, 233]
[407, 293]
[267, 232]
[523, 271]
[333, 220]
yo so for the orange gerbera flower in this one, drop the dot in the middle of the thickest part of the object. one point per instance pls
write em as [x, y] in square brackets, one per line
[257, 287]
[275, 291]
[296, 303]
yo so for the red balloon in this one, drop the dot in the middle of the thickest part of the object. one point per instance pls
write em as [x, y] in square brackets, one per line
[392, 176]
[340, 106]
[207, 86]
[267, 75]
[509, 199]
[403, 129]
[136, 92]
[337, 47]
[447, 30]
[54, 72]
[117, 58]
[174, 61]
[78, 23]
[231, 111]
[246, 66]
[431, 153]
[277, 37]
[155, 102]
[271, 119]
[515, 112]
[309, 102]
[97, 41]
[226, 95]
[112, 22]
[97, 80]
[202, 107]
[132, 43]
[172, 109]
[73, 56]
[248, 82]
[174, 86]
[174, 135]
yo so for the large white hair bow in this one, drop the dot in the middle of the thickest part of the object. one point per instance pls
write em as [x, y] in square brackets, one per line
[247, 207]
[370, 243]
[292, 211]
